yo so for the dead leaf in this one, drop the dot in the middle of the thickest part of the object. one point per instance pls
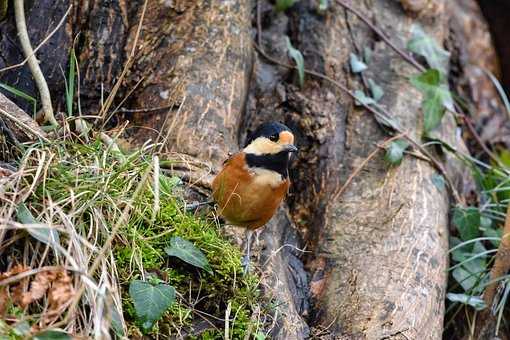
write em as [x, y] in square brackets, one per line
[4, 301]
[61, 292]
[38, 287]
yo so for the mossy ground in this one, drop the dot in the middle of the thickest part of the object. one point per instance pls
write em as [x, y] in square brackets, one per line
[90, 186]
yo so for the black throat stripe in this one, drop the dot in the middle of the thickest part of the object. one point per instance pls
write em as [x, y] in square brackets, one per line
[278, 162]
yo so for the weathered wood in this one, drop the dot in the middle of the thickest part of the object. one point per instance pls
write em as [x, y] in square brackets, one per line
[197, 60]
[380, 257]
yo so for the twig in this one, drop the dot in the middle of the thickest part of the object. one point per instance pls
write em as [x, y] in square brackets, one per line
[499, 269]
[61, 22]
[113, 93]
[259, 25]
[146, 110]
[44, 92]
[362, 165]
[381, 34]
[156, 187]
[380, 112]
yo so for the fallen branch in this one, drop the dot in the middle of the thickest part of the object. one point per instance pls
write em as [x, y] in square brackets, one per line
[42, 86]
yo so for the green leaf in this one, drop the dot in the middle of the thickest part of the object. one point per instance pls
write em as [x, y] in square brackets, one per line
[186, 251]
[362, 98]
[438, 181]
[491, 232]
[22, 329]
[298, 59]
[323, 5]
[431, 82]
[21, 94]
[282, 5]
[427, 47]
[52, 335]
[45, 235]
[259, 336]
[376, 90]
[471, 274]
[116, 324]
[70, 87]
[467, 221]
[357, 65]
[474, 301]
[436, 97]
[395, 151]
[150, 301]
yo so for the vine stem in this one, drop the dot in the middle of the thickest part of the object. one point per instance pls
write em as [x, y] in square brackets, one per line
[33, 63]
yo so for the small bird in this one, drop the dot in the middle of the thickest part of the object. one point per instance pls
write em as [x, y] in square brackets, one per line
[254, 181]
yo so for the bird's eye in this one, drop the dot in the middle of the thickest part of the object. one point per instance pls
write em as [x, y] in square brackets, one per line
[274, 138]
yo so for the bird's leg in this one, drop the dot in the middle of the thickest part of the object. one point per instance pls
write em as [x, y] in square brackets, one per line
[246, 258]
[196, 205]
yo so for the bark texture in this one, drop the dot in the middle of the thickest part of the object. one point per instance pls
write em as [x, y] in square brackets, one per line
[41, 17]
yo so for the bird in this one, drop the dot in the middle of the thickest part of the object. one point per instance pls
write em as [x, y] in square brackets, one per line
[254, 181]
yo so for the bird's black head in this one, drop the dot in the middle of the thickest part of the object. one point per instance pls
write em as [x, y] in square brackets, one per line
[269, 147]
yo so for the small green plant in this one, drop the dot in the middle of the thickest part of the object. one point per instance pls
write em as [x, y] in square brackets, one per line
[436, 97]
[283, 5]
[395, 151]
[298, 59]
[151, 300]
[21, 94]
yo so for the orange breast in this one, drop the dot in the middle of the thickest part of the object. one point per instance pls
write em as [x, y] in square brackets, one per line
[242, 200]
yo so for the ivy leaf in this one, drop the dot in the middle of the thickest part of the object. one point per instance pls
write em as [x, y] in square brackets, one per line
[425, 46]
[362, 98]
[395, 151]
[282, 5]
[467, 221]
[432, 81]
[490, 232]
[436, 97]
[186, 251]
[116, 319]
[52, 335]
[438, 181]
[150, 301]
[357, 66]
[45, 235]
[376, 90]
[298, 59]
[474, 301]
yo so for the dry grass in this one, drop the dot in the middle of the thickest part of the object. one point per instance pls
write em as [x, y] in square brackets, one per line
[93, 222]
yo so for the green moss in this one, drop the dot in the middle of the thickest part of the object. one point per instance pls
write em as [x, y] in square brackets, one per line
[226, 284]
[90, 181]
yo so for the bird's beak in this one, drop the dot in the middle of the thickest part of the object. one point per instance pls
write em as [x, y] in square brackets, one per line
[290, 148]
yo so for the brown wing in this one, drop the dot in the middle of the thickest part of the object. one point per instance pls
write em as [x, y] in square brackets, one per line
[241, 201]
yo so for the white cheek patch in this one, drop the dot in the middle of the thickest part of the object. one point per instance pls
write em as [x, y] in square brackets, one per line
[266, 177]
[262, 146]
